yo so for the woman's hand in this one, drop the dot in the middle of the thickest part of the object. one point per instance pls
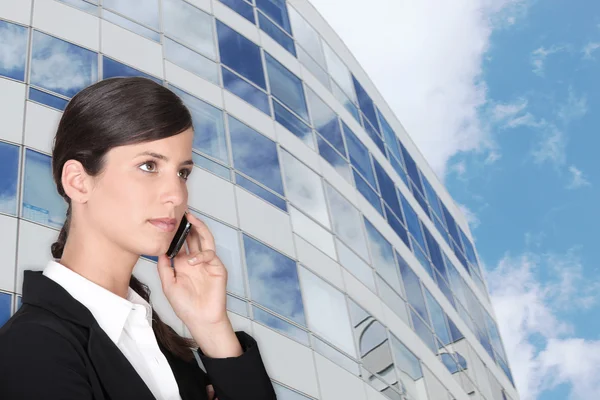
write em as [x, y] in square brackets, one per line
[196, 287]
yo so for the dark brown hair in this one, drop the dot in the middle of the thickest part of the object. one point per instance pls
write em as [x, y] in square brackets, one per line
[110, 113]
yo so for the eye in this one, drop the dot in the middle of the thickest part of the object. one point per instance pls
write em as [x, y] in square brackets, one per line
[148, 166]
[185, 173]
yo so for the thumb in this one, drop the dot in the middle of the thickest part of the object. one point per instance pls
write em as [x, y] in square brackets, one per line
[165, 272]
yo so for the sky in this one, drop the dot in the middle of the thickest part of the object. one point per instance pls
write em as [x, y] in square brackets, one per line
[501, 97]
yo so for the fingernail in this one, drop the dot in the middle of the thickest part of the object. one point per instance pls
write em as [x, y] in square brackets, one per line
[192, 260]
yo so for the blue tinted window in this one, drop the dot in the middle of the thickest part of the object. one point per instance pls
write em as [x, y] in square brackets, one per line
[444, 288]
[451, 224]
[432, 197]
[9, 165]
[387, 188]
[47, 99]
[41, 201]
[280, 325]
[365, 103]
[83, 5]
[421, 200]
[188, 24]
[383, 255]
[412, 220]
[246, 91]
[441, 229]
[412, 287]
[422, 258]
[144, 11]
[325, 121]
[209, 129]
[273, 280]
[130, 25]
[60, 66]
[277, 10]
[399, 170]
[255, 155]
[455, 333]
[411, 167]
[5, 307]
[112, 68]
[359, 155]
[334, 158]
[389, 135]
[374, 136]
[212, 166]
[277, 34]
[406, 361]
[13, 42]
[468, 246]
[434, 252]
[293, 124]
[237, 305]
[368, 192]
[286, 87]
[399, 228]
[240, 54]
[438, 319]
[241, 7]
[192, 61]
[506, 370]
[345, 100]
[449, 362]
[261, 192]
[423, 331]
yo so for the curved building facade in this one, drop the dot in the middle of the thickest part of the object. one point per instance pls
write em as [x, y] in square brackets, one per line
[348, 261]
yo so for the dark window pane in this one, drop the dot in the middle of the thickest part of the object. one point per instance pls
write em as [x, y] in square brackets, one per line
[293, 124]
[277, 10]
[325, 121]
[444, 288]
[399, 228]
[277, 34]
[47, 99]
[423, 259]
[365, 102]
[420, 199]
[451, 224]
[13, 42]
[435, 252]
[261, 192]
[399, 169]
[273, 280]
[112, 68]
[412, 220]
[387, 188]
[454, 331]
[374, 135]
[9, 165]
[241, 7]
[5, 306]
[240, 54]
[411, 167]
[359, 155]
[255, 155]
[432, 198]
[60, 66]
[368, 192]
[246, 91]
[389, 135]
[334, 159]
[287, 87]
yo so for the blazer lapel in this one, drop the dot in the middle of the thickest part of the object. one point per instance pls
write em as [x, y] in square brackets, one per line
[117, 376]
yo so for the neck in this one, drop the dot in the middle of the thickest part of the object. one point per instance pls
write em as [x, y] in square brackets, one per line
[99, 260]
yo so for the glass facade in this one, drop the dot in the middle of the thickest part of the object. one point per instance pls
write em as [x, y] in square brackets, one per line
[389, 236]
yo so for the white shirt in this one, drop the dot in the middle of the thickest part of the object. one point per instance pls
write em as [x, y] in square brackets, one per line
[127, 322]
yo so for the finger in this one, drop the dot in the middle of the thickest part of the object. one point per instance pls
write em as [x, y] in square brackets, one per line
[210, 391]
[201, 257]
[165, 272]
[193, 238]
[207, 241]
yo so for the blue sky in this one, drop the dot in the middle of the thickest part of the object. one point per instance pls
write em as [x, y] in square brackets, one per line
[501, 97]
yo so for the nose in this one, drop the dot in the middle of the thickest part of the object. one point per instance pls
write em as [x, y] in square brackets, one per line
[174, 191]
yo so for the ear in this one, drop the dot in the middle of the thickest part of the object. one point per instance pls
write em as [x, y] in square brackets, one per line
[76, 182]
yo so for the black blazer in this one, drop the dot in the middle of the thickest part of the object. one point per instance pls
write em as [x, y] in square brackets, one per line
[53, 348]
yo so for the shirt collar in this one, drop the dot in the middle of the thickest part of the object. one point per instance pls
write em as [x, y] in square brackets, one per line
[110, 311]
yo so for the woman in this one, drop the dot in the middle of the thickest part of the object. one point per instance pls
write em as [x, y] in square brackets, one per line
[121, 157]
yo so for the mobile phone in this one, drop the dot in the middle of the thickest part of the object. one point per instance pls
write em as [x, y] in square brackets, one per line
[182, 231]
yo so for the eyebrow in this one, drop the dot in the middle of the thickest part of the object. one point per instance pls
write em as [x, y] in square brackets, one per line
[162, 157]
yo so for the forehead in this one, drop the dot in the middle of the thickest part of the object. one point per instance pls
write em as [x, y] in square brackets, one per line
[176, 147]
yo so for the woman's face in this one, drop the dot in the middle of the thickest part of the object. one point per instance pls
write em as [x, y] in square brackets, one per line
[141, 188]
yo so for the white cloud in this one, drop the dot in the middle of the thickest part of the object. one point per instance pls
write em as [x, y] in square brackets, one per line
[551, 148]
[431, 78]
[543, 350]
[502, 112]
[577, 178]
[539, 56]
[589, 49]
[471, 217]
[514, 115]
[574, 108]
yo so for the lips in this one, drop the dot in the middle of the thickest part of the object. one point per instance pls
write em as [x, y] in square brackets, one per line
[164, 224]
